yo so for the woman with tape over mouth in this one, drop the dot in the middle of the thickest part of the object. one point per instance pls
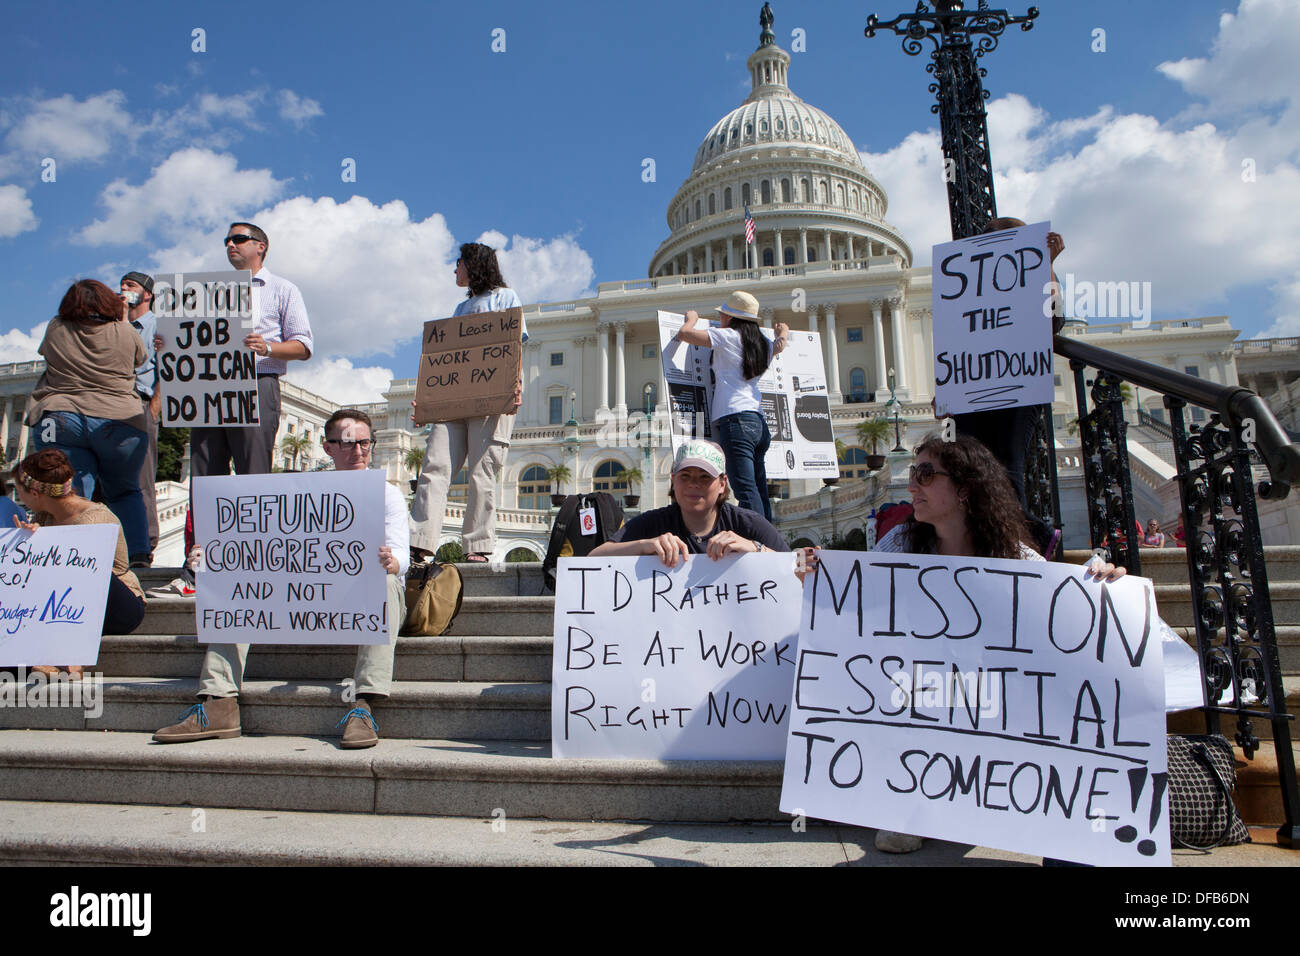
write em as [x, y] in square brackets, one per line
[964, 505]
[45, 483]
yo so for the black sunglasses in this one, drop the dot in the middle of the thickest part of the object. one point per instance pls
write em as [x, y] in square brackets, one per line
[924, 473]
[238, 239]
[347, 444]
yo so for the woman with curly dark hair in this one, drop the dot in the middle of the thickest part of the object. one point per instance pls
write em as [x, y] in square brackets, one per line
[477, 444]
[45, 484]
[86, 405]
[964, 506]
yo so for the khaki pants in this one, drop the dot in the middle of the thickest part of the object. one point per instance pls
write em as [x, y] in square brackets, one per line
[223, 665]
[480, 446]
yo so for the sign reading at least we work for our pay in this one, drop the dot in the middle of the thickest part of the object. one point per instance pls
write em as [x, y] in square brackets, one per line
[53, 588]
[207, 376]
[992, 321]
[291, 559]
[469, 366]
[689, 663]
[1011, 704]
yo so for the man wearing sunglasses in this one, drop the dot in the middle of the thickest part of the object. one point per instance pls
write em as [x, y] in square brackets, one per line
[278, 334]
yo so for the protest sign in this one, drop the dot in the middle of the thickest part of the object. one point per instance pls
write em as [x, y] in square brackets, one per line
[992, 321]
[291, 559]
[469, 366]
[206, 374]
[687, 663]
[53, 589]
[1009, 704]
[792, 393]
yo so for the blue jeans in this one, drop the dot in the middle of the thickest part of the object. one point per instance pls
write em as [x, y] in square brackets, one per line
[744, 438]
[104, 451]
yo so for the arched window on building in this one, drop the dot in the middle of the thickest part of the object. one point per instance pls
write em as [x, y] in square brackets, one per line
[857, 385]
[745, 194]
[749, 129]
[839, 193]
[807, 191]
[726, 198]
[812, 253]
[853, 464]
[602, 479]
[788, 255]
[762, 126]
[822, 192]
[713, 204]
[785, 190]
[765, 190]
[768, 258]
[697, 209]
[534, 489]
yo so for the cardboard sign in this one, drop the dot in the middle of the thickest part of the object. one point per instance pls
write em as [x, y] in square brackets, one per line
[291, 558]
[206, 375]
[469, 366]
[792, 394]
[53, 590]
[1009, 704]
[688, 663]
[992, 321]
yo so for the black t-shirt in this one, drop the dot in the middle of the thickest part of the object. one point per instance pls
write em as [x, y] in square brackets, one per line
[747, 524]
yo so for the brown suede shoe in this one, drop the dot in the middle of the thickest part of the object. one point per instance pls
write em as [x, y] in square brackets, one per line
[360, 730]
[217, 717]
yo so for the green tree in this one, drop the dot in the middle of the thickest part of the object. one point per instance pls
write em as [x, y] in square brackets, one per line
[295, 446]
[630, 476]
[559, 474]
[872, 431]
[521, 555]
[450, 553]
[414, 459]
[171, 452]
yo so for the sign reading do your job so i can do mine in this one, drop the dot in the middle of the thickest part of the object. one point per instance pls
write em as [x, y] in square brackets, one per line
[992, 321]
[207, 375]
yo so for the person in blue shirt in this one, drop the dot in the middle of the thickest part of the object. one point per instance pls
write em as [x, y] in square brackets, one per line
[479, 445]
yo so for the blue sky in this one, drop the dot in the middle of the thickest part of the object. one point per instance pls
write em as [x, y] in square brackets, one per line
[1135, 153]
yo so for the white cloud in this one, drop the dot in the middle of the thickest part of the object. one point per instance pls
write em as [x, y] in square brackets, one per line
[16, 214]
[239, 107]
[340, 381]
[298, 110]
[71, 130]
[19, 346]
[1253, 52]
[542, 271]
[191, 188]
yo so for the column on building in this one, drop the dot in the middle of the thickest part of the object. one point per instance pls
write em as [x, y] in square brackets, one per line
[6, 415]
[832, 356]
[779, 258]
[827, 243]
[731, 253]
[620, 368]
[23, 431]
[690, 261]
[878, 334]
[579, 374]
[708, 257]
[532, 394]
[803, 246]
[602, 367]
[898, 318]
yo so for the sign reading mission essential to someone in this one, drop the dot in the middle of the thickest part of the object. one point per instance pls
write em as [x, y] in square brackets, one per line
[291, 559]
[992, 321]
[208, 378]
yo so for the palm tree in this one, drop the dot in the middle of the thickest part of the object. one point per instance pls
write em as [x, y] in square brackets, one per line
[414, 460]
[872, 431]
[295, 446]
[559, 474]
[632, 478]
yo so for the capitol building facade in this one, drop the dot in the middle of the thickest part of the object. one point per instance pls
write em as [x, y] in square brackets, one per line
[824, 259]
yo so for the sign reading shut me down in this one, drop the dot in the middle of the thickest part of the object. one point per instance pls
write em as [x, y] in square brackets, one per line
[469, 366]
[1008, 704]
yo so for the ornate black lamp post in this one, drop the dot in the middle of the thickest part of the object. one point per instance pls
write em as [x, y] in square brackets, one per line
[893, 400]
[959, 36]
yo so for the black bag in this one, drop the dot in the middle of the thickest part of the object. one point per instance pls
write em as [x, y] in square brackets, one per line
[567, 539]
[1202, 776]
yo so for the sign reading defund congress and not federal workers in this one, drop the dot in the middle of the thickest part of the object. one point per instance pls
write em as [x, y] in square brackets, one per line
[469, 366]
[792, 395]
[992, 321]
[53, 589]
[291, 559]
[207, 375]
[1008, 704]
[687, 663]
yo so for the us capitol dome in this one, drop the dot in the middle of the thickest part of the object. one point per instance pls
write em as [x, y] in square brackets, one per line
[810, 195]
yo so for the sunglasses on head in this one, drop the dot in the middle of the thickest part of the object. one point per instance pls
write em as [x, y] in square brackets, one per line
[924, 473]
[238, 239]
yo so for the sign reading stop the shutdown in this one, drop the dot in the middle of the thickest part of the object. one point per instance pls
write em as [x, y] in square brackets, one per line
[207, 376]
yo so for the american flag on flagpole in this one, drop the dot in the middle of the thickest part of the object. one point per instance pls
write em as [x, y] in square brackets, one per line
[749, 227]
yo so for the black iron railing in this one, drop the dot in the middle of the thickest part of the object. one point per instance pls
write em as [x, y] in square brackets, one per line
[1233, 613]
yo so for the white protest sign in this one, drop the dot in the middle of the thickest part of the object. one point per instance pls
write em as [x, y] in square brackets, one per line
[687, 663]
[53, 590]
[792, 392]
[291, 559]
[1009, 704]
[992, 321]
[208, 377]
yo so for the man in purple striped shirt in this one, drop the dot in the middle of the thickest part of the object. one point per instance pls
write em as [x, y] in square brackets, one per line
[280, 334]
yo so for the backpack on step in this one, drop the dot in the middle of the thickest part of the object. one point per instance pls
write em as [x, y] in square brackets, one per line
[577, 531]
[433, 597]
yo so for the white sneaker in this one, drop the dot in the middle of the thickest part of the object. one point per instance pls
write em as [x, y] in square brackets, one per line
[178, 587]
[890, 841]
